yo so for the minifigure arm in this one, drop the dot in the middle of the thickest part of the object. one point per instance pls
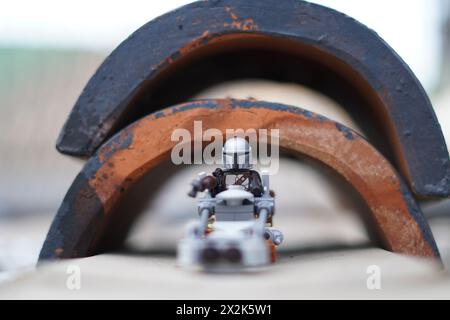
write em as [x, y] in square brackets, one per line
[200, 185]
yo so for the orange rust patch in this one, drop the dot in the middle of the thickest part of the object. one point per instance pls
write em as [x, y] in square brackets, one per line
[244, 25]
[194, 44]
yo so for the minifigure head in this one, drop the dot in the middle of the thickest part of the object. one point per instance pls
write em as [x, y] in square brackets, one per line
[237, 154]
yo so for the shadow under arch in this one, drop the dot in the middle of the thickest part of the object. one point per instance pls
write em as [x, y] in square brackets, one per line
[83, 216]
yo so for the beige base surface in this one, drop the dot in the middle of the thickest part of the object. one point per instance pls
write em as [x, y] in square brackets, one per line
[331, 275]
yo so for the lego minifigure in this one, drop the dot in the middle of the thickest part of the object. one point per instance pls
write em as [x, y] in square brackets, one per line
[235, 215]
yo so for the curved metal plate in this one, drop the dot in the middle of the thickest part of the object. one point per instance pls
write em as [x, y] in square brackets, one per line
[174, 56]
[83, 219]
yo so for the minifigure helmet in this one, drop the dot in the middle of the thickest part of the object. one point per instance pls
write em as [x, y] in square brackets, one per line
[237, 154]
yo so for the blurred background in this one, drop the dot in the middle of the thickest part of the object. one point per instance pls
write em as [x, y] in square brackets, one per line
[48, 51]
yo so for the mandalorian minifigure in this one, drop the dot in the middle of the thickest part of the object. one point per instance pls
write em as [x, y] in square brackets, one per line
[235, 227]
[237, 156]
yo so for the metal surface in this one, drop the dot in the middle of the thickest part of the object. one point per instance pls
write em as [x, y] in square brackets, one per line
[173, 57]
[82, 226]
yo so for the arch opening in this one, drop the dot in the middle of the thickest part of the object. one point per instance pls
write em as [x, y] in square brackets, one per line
[244, 56]
[328, 215]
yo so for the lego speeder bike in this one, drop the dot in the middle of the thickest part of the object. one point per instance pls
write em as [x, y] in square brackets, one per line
[235, 216]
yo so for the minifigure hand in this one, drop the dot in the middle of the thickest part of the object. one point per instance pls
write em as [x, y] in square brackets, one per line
[192, 193]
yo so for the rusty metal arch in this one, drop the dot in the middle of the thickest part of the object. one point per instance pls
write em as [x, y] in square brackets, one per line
[82, 220]
[172, 57]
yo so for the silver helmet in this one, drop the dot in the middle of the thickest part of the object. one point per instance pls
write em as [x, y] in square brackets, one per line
[237, 154]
